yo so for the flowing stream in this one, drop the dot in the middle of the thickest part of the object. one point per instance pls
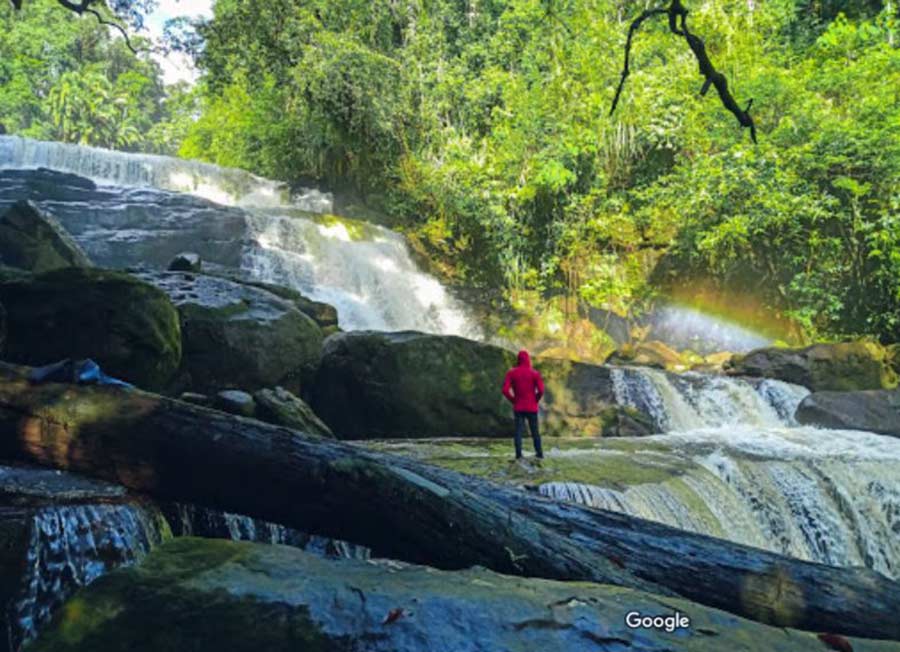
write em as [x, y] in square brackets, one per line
[753, 476]
[756, 477]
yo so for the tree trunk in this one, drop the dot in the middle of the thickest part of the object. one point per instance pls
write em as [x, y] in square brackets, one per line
[414, 512]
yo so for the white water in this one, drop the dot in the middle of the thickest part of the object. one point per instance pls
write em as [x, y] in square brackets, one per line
[191, 520]
[225, 186]
[365, 271]
[756, 477]
[693, 400]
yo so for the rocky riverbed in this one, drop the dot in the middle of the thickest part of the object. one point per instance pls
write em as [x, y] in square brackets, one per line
[719, 488]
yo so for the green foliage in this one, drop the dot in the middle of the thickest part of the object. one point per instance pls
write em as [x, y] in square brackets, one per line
[483, 128]
[68, 78]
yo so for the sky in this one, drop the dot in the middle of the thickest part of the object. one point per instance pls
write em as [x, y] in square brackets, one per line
[176, 67]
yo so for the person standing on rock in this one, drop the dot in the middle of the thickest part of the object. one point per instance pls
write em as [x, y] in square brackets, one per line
[524, 387]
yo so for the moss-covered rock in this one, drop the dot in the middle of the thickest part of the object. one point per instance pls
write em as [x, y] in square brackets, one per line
[650, 354]
[893, 351]
[279, 406]
[129, 327]
[408, 384]
[192, 595]
[603, 462]
[239, 336]
[375, 385]
[844, 366]
[35, 241]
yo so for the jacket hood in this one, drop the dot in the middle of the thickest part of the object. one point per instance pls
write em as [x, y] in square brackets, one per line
[524, 358]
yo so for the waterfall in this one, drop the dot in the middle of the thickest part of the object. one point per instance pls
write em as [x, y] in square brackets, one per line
[365, 271]
[227, 186]
[754, 476]
[831, 497]
[139, 218]
[693, 400]
[191, 520]
[70, 547]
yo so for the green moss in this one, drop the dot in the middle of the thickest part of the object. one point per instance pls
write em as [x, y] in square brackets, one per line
[129, 327]
[605, 462]
[155, 609]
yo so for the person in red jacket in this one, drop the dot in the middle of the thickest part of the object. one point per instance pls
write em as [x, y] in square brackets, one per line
[524, 387]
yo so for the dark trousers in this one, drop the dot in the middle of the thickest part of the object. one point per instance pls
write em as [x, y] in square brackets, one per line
[532, 419]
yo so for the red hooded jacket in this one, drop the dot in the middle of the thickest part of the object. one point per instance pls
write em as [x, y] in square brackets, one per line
[523, 385]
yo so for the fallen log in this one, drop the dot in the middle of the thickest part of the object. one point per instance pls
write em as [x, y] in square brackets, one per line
[414, 512]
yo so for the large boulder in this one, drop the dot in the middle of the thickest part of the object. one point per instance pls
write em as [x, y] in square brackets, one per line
[845, 366]
[279, 406]
[35, 241]
[239, 336]
[129, 327]
[872, 410]
[194, 594]
[374, 385]
[581, 400]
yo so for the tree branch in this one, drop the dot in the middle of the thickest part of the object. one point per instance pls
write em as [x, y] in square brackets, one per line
[649, 13]
[677, 16]
[108, 23]
[84, 7]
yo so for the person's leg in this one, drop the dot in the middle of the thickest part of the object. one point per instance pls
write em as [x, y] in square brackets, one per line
[520, 426]
[535, 434]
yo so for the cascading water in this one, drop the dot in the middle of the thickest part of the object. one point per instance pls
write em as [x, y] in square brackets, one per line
[226, 186]
[757, 478]
[694, 400]
[365, 271]
[191, 520]
[70, 547]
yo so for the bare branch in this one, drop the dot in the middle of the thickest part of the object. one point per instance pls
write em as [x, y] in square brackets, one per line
[626, 68]
[677, 16]
[108, 23]
[84, 7]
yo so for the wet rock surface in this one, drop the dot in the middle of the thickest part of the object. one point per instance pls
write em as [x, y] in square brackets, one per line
[238, 336]
[119, 227]
[193, 594]
[845, 366]
[33, 240]
[874, 410]
[59, 532]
